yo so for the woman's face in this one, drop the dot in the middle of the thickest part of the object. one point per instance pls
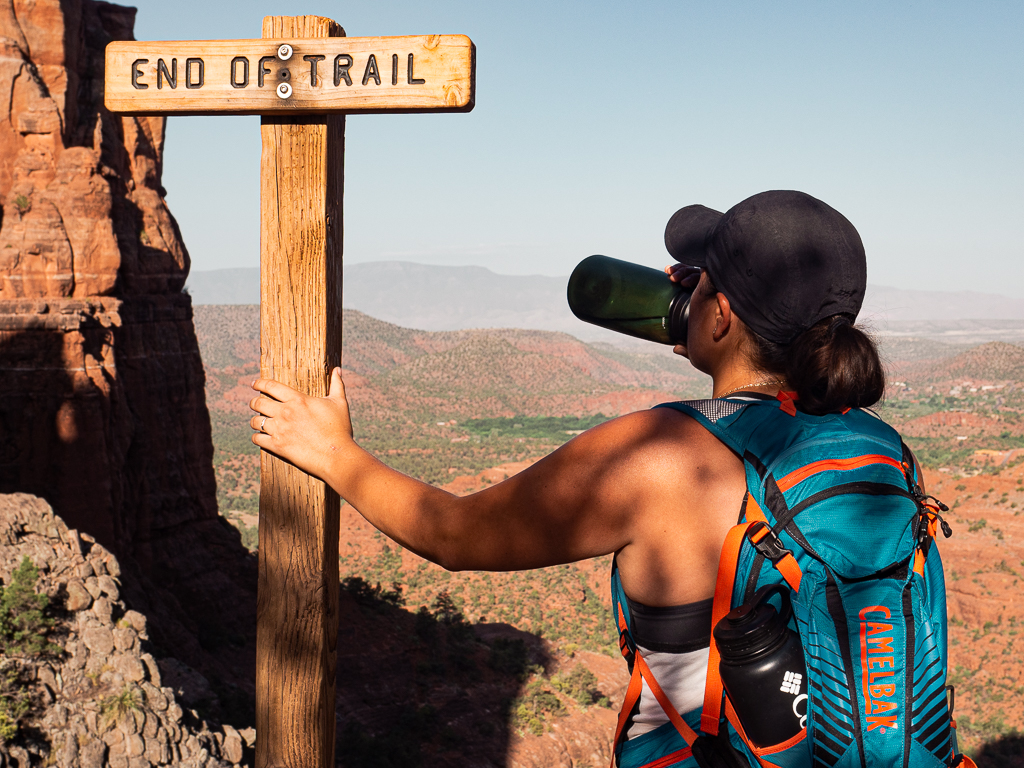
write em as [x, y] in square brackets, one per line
[701, 325]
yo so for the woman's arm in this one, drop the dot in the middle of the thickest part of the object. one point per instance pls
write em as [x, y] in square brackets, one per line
[576, 503]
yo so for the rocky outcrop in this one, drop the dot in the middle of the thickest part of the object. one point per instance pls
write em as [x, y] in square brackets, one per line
[83, 211]
[104, 699]
[102, 408]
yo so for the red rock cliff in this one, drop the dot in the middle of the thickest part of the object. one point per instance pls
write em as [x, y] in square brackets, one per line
[102, 409]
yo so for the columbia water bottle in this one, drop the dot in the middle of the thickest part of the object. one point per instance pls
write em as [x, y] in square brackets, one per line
[629, 298]
[762, 668]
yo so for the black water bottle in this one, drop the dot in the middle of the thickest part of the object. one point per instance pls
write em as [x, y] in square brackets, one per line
[762, 668]
[629, 298]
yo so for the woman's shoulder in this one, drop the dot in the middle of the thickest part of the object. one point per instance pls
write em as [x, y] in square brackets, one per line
[657, 431]
[671, 436]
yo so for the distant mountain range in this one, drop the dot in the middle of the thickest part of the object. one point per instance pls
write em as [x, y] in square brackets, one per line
[435, 298]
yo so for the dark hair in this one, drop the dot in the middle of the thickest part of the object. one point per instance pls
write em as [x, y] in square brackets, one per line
[832, 366]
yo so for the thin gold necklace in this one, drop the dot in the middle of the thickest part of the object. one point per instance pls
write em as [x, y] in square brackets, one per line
[764, 383]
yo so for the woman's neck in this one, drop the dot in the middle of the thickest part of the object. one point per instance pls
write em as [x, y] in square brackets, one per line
[747, 380]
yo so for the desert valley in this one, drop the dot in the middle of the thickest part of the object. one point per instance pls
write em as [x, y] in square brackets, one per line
[526, 664]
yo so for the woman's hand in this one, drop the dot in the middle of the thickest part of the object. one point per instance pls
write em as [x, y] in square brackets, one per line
[307, 431]
[688, 277]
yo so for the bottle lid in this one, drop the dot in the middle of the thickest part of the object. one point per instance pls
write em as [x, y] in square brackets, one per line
[755, 628]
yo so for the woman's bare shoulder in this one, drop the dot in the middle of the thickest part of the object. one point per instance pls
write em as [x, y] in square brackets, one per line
[660, 452]
[686, 497]
[662, 430]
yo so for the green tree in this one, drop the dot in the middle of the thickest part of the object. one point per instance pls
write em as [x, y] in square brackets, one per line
[23, 624]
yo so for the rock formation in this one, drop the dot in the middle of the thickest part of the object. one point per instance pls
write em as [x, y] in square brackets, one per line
[106, 700]
[102, 410]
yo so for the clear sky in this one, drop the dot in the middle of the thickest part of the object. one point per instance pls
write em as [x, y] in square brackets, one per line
[596, 120]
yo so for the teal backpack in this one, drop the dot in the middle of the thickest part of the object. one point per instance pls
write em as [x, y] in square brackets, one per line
[833, 510]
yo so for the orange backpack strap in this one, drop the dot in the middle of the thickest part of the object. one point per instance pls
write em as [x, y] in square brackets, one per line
[642, 672]
[727, 563]
[688, 734]
[921, 553]
[732, 717]
[633, 691]
[767, 543]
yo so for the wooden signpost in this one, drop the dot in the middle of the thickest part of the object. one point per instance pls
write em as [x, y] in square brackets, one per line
[292, 76]
[303, 77]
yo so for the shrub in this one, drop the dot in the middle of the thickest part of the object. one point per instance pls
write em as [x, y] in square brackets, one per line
[425, 626]
[445, 609]
[535, 705]
[447, 613]
[23, 624]
[116, 707]
[580, 684]
[15, 700]
[373, 596]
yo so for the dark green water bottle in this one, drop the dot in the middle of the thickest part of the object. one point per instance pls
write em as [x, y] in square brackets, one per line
[629, 298]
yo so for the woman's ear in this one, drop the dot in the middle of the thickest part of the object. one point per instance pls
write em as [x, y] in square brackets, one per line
[723, 316]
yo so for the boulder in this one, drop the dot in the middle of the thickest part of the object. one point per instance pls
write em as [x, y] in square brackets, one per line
[78, 597]
[130, 667]
[99, 640]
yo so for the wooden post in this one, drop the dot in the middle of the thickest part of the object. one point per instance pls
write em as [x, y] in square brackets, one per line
[302, 183]
[303, 82]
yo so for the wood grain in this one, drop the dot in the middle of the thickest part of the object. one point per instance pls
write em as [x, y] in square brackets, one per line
[442, 77]
[302, 182]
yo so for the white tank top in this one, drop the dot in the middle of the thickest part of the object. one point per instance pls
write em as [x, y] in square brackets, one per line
[675, 642]
[681, 676]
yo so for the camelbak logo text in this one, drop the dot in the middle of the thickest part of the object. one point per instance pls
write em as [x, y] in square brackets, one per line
[878, 668]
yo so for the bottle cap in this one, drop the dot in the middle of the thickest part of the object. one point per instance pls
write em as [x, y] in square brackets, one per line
[753, 629]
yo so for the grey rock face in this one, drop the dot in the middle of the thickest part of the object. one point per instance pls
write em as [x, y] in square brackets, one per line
[103, 702]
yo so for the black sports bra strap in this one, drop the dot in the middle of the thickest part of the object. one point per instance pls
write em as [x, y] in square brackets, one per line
[672, 629]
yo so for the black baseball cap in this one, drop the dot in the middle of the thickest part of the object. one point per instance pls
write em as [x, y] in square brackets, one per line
[784, 259]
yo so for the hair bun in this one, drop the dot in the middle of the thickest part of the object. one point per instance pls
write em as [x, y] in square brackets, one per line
[838, 322]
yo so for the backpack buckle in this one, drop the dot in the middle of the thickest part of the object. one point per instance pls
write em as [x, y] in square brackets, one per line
[767, 543]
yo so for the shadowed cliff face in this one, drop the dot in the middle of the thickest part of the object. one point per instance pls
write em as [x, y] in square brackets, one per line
[102, 409]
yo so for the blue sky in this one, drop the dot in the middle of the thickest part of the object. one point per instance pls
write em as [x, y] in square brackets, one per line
[595, 121]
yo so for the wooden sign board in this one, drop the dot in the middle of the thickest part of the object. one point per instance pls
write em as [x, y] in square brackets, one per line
[418, 73]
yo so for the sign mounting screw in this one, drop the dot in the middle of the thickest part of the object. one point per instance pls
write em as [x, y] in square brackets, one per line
[284, 91]
[284, 52]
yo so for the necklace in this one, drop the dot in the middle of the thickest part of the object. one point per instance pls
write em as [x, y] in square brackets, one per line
[762, 383]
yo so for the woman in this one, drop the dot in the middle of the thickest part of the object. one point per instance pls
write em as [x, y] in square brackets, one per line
[782, 277]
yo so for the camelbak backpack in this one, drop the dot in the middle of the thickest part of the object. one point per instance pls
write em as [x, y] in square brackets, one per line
[835, 512]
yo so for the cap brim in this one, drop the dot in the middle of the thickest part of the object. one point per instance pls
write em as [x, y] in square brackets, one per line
[687, 232]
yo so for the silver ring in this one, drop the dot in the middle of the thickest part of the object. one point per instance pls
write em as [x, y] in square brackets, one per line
[263, 423]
